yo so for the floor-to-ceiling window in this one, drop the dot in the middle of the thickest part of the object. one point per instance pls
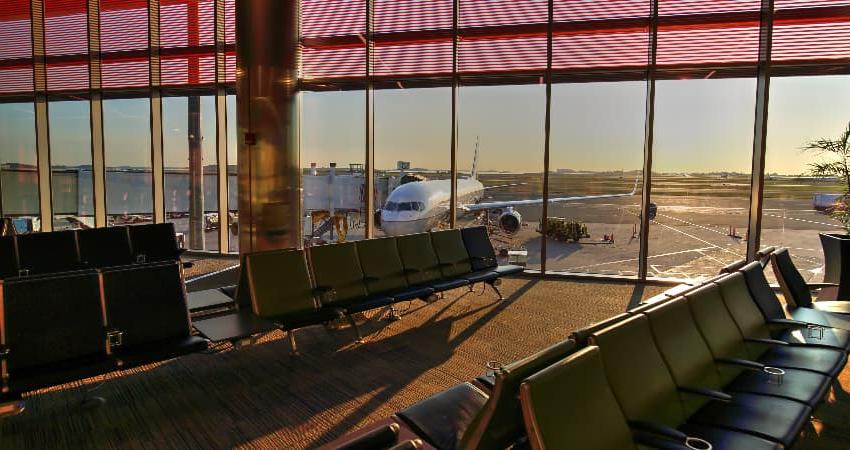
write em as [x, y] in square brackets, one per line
[70, 159]
[332, 166]
[232, 184]
[127, 150]
[18, 166]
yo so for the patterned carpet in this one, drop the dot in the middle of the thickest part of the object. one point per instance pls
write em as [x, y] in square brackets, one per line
[259, 397]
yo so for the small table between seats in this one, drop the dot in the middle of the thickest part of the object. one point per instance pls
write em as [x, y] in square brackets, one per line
[233, 327]
[209, 300]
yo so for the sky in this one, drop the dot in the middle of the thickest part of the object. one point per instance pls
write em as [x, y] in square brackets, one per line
[700, 126]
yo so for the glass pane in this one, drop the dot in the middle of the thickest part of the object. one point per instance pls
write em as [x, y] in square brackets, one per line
[701, 175]
[412, 147]
[596, 149]
[70, 157]
[232, 184]
[505, 146]
[18, 175]
[802, 110]
[333, 199]
[127, 148]
[191, 180]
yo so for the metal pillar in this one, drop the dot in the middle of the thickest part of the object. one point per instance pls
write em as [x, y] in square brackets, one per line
[267, 124]
[454, 135]
[369, 166]
[547, 127]
[221, 130]
[42, 136]
[96, 115]
[760, 129]
[157, 164]
[196, 175]
[649, 137]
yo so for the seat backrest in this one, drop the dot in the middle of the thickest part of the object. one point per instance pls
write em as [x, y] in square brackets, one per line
[583, 334]
[687, 355]
[478, 246]
[742, 307]
[50, 252]
[51, 318]
[766, 300]
[499, 424]
[146, 302]
[279, 283]
[793, 285]
[336, 267]
[763, 255]
[717, 327]
[454, 260]
[417, 255]
[569, 405]
[636, 372]
[381, 264]
[8, 257]
[105, 247]
[154, 242]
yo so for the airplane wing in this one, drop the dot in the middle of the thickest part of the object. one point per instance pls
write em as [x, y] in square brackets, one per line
[537, 201]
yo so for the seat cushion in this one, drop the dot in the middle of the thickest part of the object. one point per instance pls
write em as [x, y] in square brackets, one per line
[507, 269]
[820, 318]
[411, 293]
[481, 275]
[723, 439]
[375, 301]
[800, 385]
[229, 291]
[443, 418]
[770, 418]
[307, 318]
[445, 285]
[822, 360]
[832, 338]
[837, 306]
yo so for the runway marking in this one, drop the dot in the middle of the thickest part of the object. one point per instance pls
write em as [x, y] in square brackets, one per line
[803, 220]
[652, 256]
[696, 238]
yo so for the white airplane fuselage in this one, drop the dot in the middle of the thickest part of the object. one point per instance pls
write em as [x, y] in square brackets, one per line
[419, 206]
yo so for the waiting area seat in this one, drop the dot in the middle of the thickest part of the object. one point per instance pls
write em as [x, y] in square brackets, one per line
[798, 293]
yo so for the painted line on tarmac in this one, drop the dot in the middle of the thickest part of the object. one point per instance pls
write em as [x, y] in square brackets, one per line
[698, 250]
[696, 238]
[803, 220]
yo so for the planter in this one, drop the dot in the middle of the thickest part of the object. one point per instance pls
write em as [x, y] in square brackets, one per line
[836, 259]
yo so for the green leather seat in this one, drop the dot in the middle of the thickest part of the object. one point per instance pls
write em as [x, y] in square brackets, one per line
[421, 264]
[281, 291]
[451, 253]
[691, 362]
[569, 405]
[751, 322]
[340, 280]
[724, 338]
[499, 424]
[647, 392]
[383, 271]
[797, 292]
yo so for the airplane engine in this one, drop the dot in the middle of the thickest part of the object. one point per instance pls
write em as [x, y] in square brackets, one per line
[510, 221]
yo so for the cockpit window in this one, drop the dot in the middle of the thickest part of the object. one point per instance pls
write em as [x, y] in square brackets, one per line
[405, 206]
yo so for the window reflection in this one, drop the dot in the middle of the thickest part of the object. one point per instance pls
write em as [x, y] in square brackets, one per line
[70, 157]
[127, 152]
[18, 174]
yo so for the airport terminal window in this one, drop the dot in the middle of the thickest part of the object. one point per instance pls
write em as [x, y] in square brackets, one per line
[127, 152]
[412, 146]
[191, 185]
[505, 124]
[802, 109]
[702, 157]
[232, 184]
[19, 182]
[70, 158]
[596, 148]
[333, 177]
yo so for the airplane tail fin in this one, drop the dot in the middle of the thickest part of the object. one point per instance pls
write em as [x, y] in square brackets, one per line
[474, 174]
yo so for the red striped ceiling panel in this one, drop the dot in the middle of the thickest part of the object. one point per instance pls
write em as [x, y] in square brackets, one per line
[188, 69]
[123, 25]
[186, 23]
[502, 36]
[332, 18]
[125, 73]
[230, 67]
[16, 72]
[230, 21]
[66, 27]
[67, 76]
[573, 10]
[345, 19]
[417, 56]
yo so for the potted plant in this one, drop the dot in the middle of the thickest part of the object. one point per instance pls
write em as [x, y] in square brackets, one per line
[836, 246]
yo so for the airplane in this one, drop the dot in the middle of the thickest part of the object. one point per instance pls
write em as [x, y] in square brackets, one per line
[420, 206]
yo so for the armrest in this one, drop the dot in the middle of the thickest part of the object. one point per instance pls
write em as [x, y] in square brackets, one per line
[821, 285]
[325, 294]
[788, 323]
[658, 429]
[705, 392]
[653, 441]
[747, 364]
[765, 341]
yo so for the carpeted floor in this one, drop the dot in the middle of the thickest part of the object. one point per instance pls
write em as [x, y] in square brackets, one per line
[259, 397]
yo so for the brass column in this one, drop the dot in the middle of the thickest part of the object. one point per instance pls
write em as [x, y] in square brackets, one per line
[267, 124]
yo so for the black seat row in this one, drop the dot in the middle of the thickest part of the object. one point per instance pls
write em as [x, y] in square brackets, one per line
[72, 325]
[93, 248]
[708, 365]
[296, 288]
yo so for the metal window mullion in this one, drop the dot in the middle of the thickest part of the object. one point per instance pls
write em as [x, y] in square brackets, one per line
[547, 127]
[454, 116]
[760, 129]
[221, 129]
[96, 115]
[42, 136]
[649, 138]
[369, 124]
[157, 165]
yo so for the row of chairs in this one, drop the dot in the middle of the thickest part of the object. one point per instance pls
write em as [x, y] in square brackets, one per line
[711, 364]
[67, 326]
[94, 248]
[296, 288]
